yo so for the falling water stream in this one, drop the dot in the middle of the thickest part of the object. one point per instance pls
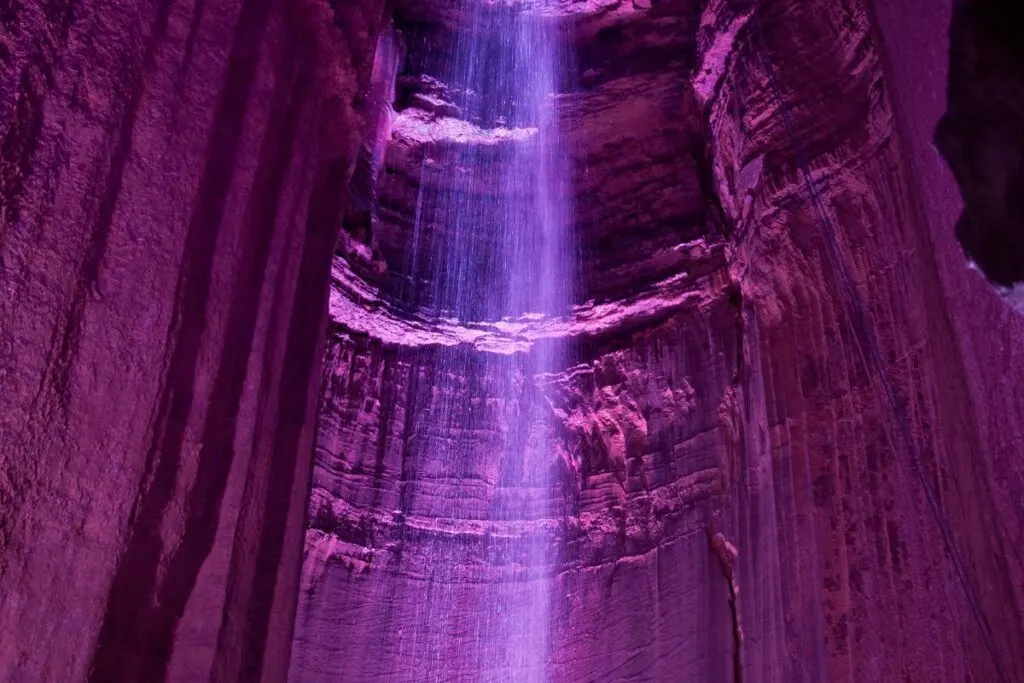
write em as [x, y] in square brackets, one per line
[499, 249]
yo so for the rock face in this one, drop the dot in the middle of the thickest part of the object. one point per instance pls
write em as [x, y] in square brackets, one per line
[789, 435]
[167, 217]
[784, 452]
[887, 485]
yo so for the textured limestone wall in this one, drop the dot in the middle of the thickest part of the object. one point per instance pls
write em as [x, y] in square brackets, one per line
[781, 398]
[986, 334]
[636, 589]
[788, 430]
[881, 511]
[167, 218]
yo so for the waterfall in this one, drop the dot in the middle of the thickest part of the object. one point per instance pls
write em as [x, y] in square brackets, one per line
[495, 194]
[500, 207]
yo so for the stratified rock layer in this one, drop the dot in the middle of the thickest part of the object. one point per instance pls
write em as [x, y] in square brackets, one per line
[784, 452]
[168, 211]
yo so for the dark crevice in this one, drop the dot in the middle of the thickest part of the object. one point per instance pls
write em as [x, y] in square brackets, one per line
[981, 135]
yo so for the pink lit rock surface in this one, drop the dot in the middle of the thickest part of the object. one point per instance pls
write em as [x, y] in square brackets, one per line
[746, 394]
[862, 587]
[166, 224]
[741, 467]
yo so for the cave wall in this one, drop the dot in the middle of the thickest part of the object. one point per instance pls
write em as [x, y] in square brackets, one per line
[895, 495]
[788, 395]
[986, 333]
[635, 589]
[167, 218]
[778, 350]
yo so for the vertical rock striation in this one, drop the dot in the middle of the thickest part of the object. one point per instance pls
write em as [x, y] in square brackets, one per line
[169, 176]
[879, 510]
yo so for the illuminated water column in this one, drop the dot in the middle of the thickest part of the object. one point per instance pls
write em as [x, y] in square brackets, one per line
[501, 254]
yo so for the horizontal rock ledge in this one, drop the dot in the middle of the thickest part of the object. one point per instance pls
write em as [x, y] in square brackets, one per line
[356, 307]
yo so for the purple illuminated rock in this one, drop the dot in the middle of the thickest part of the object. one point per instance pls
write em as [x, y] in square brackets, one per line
[778, 353]
[777, 332]
[167, 219]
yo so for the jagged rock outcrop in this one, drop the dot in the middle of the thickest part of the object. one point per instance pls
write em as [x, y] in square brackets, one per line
[777, 334]
[168, 207]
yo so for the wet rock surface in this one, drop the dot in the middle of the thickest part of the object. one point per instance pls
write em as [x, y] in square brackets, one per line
[788, 433]
[804, 374]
